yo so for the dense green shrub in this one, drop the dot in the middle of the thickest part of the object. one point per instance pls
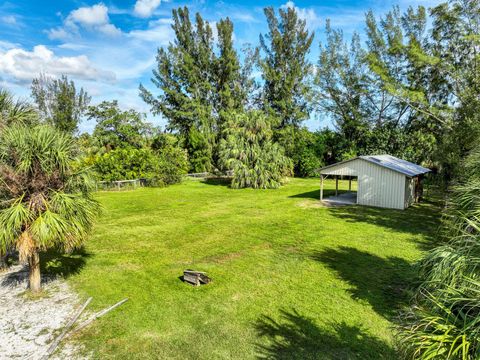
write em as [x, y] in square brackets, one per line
[172, 165]
[162, 167]
[307, 163]
[304, 147]
[249, 151]
[444, 321]
[125, 164]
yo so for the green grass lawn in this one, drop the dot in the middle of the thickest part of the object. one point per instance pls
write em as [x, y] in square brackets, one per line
[291, 279]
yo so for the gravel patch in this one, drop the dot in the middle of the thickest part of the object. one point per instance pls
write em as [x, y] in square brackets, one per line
[27, 324]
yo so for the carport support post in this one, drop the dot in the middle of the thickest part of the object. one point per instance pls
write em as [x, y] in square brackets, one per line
[321, 187]
[350, 184]
[336, 185]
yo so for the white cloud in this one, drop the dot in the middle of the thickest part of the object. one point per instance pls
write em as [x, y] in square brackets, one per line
[309, 15]
[159, 32]
[93, 18]
[9, 20]
[110, 29]
[112, 9]
[288, 5]
[59, 34]
[6, 45]
[22, 65]
[73, 46]
[244, 17]
[162, 21]
[348, 21]
[90, 16]
[145, 8]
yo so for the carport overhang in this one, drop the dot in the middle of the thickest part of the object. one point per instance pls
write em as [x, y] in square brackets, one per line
[324, 176]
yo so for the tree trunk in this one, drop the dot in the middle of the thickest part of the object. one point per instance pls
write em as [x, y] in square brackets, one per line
[3, 261]
[34, 274]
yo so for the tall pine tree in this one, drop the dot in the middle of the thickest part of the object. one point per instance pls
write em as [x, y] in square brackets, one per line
[340, 79]
[200, 87]
[185, 77]
[285, 67]
[230, 94]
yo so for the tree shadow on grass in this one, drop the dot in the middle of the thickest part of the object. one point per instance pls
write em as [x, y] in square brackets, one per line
[217, 181]
[423, 219]
[315, 194]
[383, 283]
[297, 337]
[53, 264]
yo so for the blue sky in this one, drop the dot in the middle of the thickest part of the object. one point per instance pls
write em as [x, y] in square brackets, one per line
[108, 47]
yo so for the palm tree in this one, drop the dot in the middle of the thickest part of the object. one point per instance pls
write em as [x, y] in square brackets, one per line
[248, 150]
[15, 111]
[45, 199]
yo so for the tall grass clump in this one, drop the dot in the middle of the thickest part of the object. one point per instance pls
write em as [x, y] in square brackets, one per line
[444, 320]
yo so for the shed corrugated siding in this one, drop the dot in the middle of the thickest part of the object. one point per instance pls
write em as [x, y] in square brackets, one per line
[377, 186]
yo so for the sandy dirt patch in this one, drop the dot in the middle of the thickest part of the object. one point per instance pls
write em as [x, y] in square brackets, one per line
[29, 324]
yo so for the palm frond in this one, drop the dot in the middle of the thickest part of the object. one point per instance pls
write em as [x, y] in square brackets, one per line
[51, 203]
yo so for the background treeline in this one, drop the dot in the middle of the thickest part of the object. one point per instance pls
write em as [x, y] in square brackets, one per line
[408, 88]
[404, 89]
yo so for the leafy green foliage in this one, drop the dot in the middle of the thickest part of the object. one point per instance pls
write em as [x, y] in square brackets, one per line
[352, 87]
[446, 325]
[285, 67]
[200, 87]
[445, 319]
[59, 102]
[249, 151]
[173, 165]
[435, 77]
[231, 87]
[340, 79]
[163, 167]
[185, 74]
[118, 129]
[305, 148]
[45, 199]
[15, 111]
[126, 164]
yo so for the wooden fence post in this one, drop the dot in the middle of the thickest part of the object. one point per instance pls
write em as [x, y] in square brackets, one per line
[321, 187]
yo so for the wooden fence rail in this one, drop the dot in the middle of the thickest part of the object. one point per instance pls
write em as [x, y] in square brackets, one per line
[118, 184]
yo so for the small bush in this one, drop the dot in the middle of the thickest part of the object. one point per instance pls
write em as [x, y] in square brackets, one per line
[172, 165]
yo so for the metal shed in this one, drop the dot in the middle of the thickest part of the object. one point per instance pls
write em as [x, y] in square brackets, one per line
[383, 180]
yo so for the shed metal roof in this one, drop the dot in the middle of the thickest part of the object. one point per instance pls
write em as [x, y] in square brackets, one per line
[390, 162]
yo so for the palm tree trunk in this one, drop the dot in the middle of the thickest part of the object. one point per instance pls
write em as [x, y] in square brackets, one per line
[34, 272]
[3, 261]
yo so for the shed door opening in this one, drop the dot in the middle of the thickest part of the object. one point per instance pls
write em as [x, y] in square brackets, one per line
[345, 192]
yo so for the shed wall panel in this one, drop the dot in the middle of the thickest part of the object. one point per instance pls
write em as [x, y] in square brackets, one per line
[409, 191]
[377, 186]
